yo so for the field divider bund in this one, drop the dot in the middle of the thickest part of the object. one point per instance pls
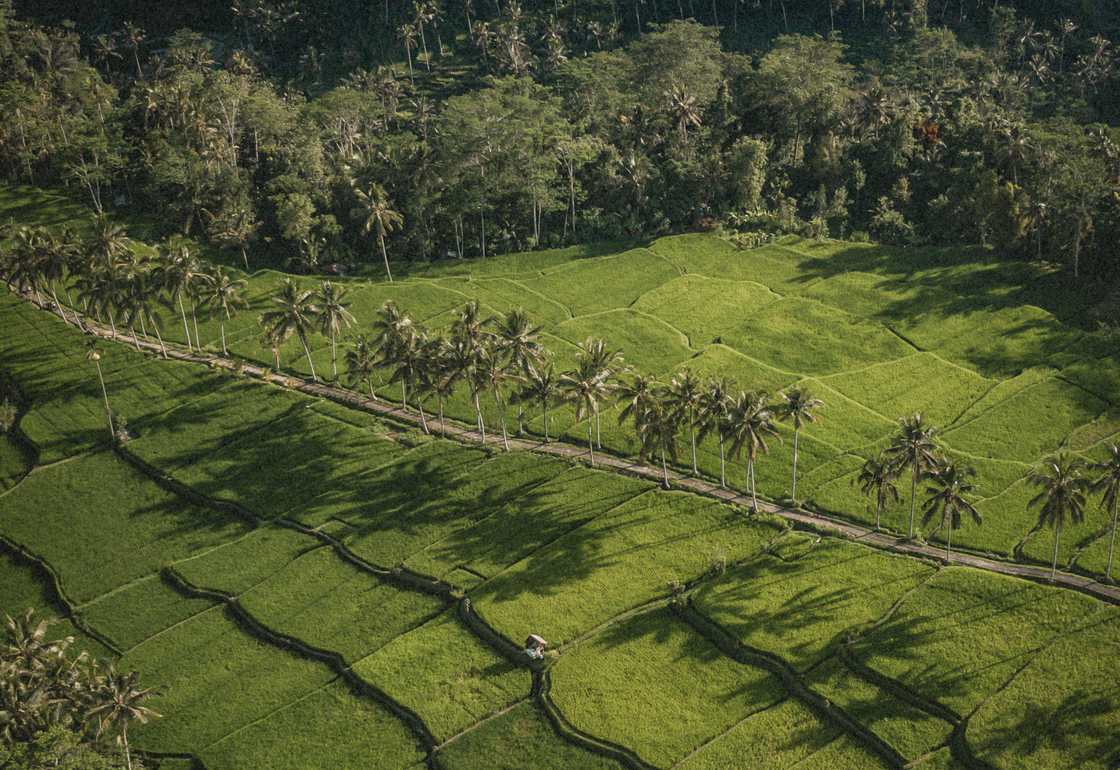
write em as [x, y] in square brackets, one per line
[791, 680]
[542, 687]
[57, 594]
[331, 659]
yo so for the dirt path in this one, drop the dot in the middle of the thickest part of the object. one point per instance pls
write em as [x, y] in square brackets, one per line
[800, 517]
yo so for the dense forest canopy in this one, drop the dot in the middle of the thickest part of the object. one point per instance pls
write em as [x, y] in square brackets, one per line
[305, 134]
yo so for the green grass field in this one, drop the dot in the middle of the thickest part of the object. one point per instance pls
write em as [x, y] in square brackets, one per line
[586, 558]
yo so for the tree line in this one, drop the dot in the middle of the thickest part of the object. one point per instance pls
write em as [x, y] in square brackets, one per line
[61, 709]
[502, 358]
[490, 127]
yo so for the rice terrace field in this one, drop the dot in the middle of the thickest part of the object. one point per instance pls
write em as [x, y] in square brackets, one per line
[310, 585]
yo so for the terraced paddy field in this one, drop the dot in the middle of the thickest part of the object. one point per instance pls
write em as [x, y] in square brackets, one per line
[310, 586]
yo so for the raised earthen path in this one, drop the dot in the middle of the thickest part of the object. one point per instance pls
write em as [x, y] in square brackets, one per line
[798, 516]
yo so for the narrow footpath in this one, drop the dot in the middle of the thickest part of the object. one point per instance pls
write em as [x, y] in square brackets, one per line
[798, 516]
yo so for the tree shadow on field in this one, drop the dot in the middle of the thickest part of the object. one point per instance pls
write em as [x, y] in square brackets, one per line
[948, 283]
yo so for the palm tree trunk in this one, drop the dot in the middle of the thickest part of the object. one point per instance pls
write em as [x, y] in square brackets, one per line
[135, 341]
[481, 423]
[57, 304]
[222, 328]
[722, 465]
[544, 409]
[306, 352]
[754, 493]
[795, 436]
[334, 357]
[878, 513]
[124, 742]
[692, 435]
[187, 330]
[105, 395]
[501, 419]
[913, 497]
[598, 432]
[442, 424]
[404, 394]
[369, 384]
[590, 444]
[664, 471]
[1057, 540]
[194, 320]
[949, 542]
[423, 419]
[1111, 542]
[385, 256]
[159, 337]
[520, 419]
[112, 324]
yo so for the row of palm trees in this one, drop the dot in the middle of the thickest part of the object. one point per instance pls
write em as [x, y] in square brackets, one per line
[1064, 484]
[43, 687]
[114, 282]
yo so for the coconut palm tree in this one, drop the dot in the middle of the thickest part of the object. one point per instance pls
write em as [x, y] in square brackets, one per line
[877, 477]
[519, 342]
[749, 422]
[295, 313]
[177, 271]
[586, 387]
[949, 500]
[607, 363]
[540, 386]
[56, 257]
[361, 361]
[914, 447]
[221, 298]
[437, 374]
[93, 355]
[799, 407]
[121, 702]
[685, 393]
[711, 417]
[494, 372]
[635, 396]
[334, 317]
[469, 339]
[1107, 484]
[657, 426]
[1064, 487]
[407, 361]
[377, 215]
[140, 299]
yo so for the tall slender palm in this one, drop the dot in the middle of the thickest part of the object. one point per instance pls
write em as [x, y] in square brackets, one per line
[1064, 487]
[685, 394]
[56, 258]
[635, 396]
[586, 387]
[141, 297]
[1107, 484]
[519, 341]
[469, 338]
[711, 417]
[178, 271]
[406, 361]
[657, 426]
[542, 387]
[93, 355]
[361, 361]
[608, 365]
[334, 317]
[914, 447]
[394, 333]
[437, 374]
[877, 478]
[121, 702]
[799, 407]
[221, 298]
[377, 215]
[101, 289]
[948, 500]
[295, 313]
[749, 422]
[495, 372]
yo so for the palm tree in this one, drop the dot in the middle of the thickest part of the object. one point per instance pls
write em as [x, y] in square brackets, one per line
[519, 341]
[407, 360]
[540, 386]
[141, 296]
[221, 298]
[437, 374]
[914, 447]
[607, 364]
[585, 387]
[334, 317]
[295, 313]
[93, 355]
[375, 210]
[407, 34]
[178, 271]
[361, 360]
[799, 407]
[948, 500]
[395, 336]
[469, 338]
[635, 397]
[877, 477]
[711, 416]
[657, 425]
[685, 394]
[122, 702]
[749, 422]
[1108, 485]
[1063, 488]
[494, 372]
